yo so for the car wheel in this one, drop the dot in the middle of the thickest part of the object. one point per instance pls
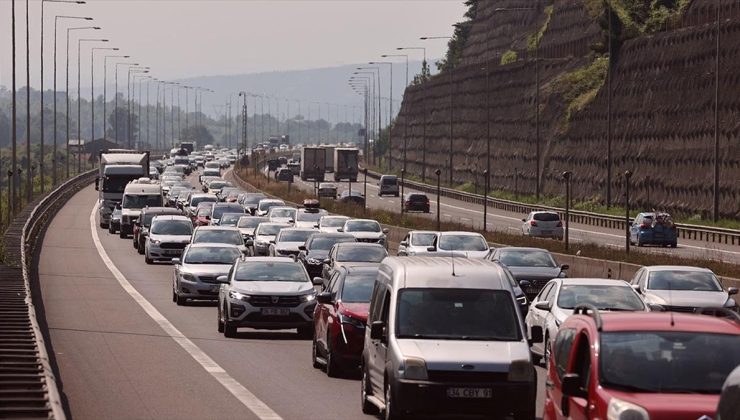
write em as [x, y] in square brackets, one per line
[122, 234]
[140, 249]
[390, 412]
[528, 414]
[180, 300]
[148, 260]
[333, 370]
[174, 295]
[134, 242]
[220, 321]
[639, 242]
[229, 328]
[315, 355]
[674, 245]
[367, 406]
[103, 225]
[111, 229]
[548, 351]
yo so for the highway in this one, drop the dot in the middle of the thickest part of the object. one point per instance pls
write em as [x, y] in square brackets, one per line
[471, 215]
[124, 350]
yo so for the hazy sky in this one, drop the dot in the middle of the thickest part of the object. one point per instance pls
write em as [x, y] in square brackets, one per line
[180, 38]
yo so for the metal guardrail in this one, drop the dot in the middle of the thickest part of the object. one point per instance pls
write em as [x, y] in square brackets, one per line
[28, 386]
[685, 231]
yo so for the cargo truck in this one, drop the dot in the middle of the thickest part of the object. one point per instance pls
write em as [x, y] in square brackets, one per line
[117, 168]
[329, 166]
[346, 161]
[313, 164]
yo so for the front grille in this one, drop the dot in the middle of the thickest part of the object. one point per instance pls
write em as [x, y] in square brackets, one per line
[367, 240]
[208, 293]
[274, 301]
[167, 245]
[687, 309]
[450, 376]
[258, 317]
[287, 253]
[207, 279]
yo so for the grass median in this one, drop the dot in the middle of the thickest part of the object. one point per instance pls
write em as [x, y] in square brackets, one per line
[591, 250]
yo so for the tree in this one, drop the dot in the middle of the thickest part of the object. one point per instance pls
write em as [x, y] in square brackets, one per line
[120, 134]
[460, 36]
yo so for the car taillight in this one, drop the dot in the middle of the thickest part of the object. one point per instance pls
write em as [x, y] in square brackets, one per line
[644, 226]
[560, 224]
[533, 223]
[408, 203]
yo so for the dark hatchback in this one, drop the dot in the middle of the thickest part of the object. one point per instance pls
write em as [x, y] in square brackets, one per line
[532, 267]
[316, 250]
[416, 202]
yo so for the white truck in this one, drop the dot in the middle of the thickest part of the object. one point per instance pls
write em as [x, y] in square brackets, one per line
[313, 163]
[329, 164]
[346, 163]
[117, 168]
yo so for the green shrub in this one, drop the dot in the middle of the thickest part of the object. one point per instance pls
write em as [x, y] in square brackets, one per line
[509, 57]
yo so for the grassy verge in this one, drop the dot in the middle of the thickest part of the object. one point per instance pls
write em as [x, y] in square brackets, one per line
[590, 250]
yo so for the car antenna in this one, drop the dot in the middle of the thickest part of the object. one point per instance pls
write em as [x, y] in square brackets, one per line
[670, 297]
[452, 255]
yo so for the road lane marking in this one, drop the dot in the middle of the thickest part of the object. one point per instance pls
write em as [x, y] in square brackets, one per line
[249, 400]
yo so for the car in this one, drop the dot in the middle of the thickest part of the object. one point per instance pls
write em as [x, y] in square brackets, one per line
[215, 186]
[168, 236]
[284, 174]
[219, 235]
[683, 288]
[416, 202]
[142, 225]
[114, 225]
[417, 242]
[225, 192]
[209, 172]
[247, 224]
[219, 209]
[352, 197]
[543, 224]
[444, 336]
[251, 201]
[729, 400]
[230, 219]
[264, 205]
[327, 189]
[653, 229]
[264, 236]
[173, 194]
[331, 224]
[308, 218]
[470, 244]
[354, 254]
[266, 293]
[366, 230]
[532, 267]
[556, 301]
[388, 185]
[198, 198]
[137, 196]
[339, 319]
[654, 365]
[282, 214]
[197, 271]
[295, 167]
[202, 217]
[316, 250]
[288, 241]
[232, 196]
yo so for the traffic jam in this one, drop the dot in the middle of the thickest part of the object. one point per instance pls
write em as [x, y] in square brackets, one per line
[440, 323]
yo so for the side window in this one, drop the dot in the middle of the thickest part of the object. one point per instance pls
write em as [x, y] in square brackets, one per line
[543, 293]
[376, 301]
[551, 292]
[638, 276]
[643, 280]
[407, 238]
[386, 307]
[582, 362]
[334, 286]
[563, 344]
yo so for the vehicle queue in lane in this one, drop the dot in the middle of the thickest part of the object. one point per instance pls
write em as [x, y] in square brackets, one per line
[426, 325]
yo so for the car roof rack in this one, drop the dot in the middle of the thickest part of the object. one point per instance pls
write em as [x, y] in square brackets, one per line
[589, 310]
[720, 313]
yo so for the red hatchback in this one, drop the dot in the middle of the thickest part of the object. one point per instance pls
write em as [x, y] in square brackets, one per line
[202, 216]
[340, 317]
[656, 366]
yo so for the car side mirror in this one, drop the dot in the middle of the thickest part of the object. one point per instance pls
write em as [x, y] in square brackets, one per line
[118, 206]
[324, 298]
[536, 335]
[222, 279]
[543, 305]
[340, 230]
[316, 226]
[572, 385]
[731, 291]
[318, 281]
[385, 230]
[301, 247]
[176, 261]
[637, 288]
[249, 242]
[208, 217]
[564, 267]
[404, 243]
[327, 260]
[377, 330]
[431, 249]
[524, 283]
[654, 307]
[524, 220]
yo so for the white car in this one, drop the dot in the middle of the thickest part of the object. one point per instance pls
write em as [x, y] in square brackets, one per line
[219, 235]
[282, 214]
[264, 236]
[264, 205]
[168, 236]
[543, 224]
[471, 244]
[197, 271]
[266, 293]
[308, 218]
[331, 224]
[556, 301]
[366, 230]
[288, 241]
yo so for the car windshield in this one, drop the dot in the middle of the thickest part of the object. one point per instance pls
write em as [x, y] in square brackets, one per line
[141, 201]
[457, 314]
[463, 243]
[172, 227]
[423, 239]
[212, 255]
[230, 219]
[249, 221]
[333, 221]
[217, 185]
[612, 298]
[265, 205]
[146, 219]
[667, 361]
[358, 288]
[546, 217]
[271, 271]
[220, 236]
[266, 229]
[253, 199]
[362, 226]
[324, 243]
[283, 213]
[304, 216]
[204, 211]
[700, 281]
[373, 254]
[522, 258]
[218, 211]
[389, 180]
[288, 235]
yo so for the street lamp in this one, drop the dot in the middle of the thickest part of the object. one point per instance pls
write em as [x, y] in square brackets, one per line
[373, 71]
[129, 104]
[79, 98]
[364, 193]
[424, 113]
[439, 194]
[403, 183]
[390, 109]
[485, 199]
[115, 111]
[92, 89]
[566, 177]
[627, 224]
[105, 89]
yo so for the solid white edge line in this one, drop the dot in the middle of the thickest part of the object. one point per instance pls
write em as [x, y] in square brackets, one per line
[249, 400]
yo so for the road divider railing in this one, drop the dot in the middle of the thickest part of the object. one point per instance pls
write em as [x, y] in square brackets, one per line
[28, 387]
[685, 231]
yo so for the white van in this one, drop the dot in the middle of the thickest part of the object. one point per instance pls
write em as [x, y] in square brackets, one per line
[136, 196]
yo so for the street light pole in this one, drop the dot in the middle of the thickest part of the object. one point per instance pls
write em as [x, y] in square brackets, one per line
[439, 195]
[92, 90]
[405, 119]
[424, 112]
[566, 176]
[627, 178]
[79, 99]
[716, 157]
[390, 110]
[105, 90]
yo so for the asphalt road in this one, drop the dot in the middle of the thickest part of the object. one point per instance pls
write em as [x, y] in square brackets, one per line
[471, 215]
[125, 350]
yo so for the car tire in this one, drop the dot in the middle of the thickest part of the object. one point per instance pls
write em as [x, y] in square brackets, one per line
[367, 406]
[528, 414]
[315, 355]
[390, 413]
[674, 245]
[103, 225]
[134, 243]
[220, 321]
[333, 370]
[122, 234]
[111, 229]
[639, 243]
[148, 260]
[547, 353]
[229, 329]
[174, 295]
[140, 249]
[181, 301]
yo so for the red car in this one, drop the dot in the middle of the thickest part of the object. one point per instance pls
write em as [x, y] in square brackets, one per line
[202, 216]
[340, 317]
[657, 365]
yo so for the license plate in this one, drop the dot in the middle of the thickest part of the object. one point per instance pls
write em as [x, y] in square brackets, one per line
[547, 232]
[276, 311]
[172, 252]
[470, 392]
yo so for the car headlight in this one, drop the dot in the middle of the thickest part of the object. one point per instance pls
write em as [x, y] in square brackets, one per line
[344, 319]
[623, 410]
[239, 296]
[314, 261]
[521, 371]
[187, 277]
[156, 241]
[415, 369]
[310, 297]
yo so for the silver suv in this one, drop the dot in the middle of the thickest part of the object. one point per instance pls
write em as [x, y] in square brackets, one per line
[168, 236]
[388, 185]
[446, 336]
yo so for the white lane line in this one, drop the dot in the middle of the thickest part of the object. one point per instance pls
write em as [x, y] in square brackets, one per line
[249, 400]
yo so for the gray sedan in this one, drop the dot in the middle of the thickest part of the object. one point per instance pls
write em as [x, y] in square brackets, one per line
[196, 273]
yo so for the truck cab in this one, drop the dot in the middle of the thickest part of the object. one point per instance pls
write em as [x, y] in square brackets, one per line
[117, 168]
